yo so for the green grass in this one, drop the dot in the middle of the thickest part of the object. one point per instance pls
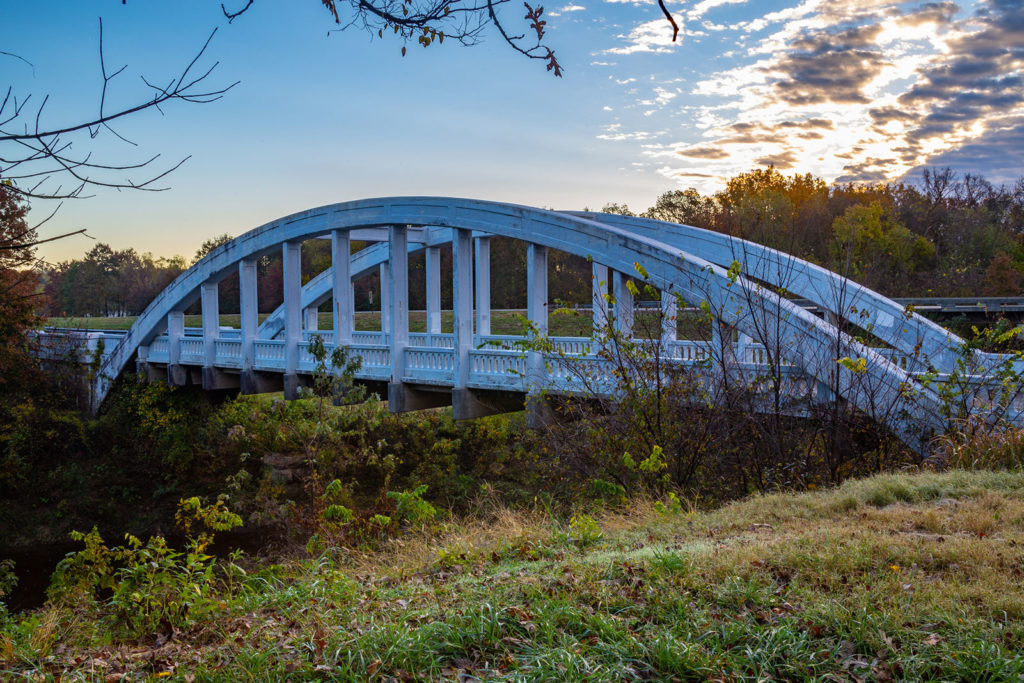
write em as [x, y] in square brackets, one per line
[908, 577]
[561, 324]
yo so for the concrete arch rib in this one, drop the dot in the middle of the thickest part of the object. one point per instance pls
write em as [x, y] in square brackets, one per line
[922, 340]
[803, 339]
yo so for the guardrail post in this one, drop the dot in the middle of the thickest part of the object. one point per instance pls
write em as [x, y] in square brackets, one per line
[483, 285]
[177, 376]
[341, 255]
[291, 276]
[432, 263]
[247, 307]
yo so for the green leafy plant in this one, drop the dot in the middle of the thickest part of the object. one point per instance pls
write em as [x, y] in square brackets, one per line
[334, 373]
[410, 506]
[584, 530]
[143, 587]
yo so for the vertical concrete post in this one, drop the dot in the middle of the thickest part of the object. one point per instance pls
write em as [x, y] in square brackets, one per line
[465, 403]
[462, 302]
[537, 408]
[623, 304]
[344, 307]
[176, 375]
[669, 319]
[398, 286]
[211, 330]
[483, 285]
[599, 302]
[310, 318]
[211, 321]
[248, 308]
[385, 297]
[291, 276]
[432, 262]
[743, 342]
[537, 286]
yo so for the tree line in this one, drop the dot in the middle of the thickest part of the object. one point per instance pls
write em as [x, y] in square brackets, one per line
[947, 235]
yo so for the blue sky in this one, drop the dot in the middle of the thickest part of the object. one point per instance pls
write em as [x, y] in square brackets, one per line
[848, 90]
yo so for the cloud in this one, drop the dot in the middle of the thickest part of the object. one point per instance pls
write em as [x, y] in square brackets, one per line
[829, 66]
[635, 135]
[782, 161]
[651, 36]
[704, 153]
[702, 8]
[567, 9]
[863, 90]
[996, 153]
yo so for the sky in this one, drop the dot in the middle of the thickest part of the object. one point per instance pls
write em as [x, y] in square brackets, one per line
[849, 90]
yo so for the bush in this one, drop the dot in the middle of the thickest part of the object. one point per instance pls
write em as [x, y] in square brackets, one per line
[141, 588]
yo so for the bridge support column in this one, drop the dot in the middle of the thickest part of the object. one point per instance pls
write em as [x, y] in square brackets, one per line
[743, 342]
[483, 286]
[669, 318]
[247, 307]
[432, 263]
[214, 379]
[623, 304]
[464, 405]
[341, 256]
[399, 397]
[291, 276]
[177, 375]
[537, 407]
[310, 318]
[385, 297]
[599, 300]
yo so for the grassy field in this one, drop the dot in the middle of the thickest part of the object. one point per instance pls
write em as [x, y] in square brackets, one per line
[561, 324]
[896, 577]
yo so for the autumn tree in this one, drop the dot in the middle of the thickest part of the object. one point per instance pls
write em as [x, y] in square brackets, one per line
[18, 282]
[876, 249]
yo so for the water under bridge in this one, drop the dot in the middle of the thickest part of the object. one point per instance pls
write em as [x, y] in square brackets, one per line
[818, 336]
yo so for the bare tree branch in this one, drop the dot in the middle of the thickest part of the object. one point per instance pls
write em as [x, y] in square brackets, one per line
[36, 157]
[668, 15]
[26, 245]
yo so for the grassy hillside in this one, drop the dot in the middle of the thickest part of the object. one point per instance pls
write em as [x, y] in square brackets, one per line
[913, 577]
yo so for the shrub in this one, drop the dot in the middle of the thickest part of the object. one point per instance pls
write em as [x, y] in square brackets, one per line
[140, 588]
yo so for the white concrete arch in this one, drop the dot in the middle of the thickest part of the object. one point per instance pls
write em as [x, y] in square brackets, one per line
[808, 343]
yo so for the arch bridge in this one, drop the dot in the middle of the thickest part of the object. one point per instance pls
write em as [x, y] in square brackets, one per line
[865, 350]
